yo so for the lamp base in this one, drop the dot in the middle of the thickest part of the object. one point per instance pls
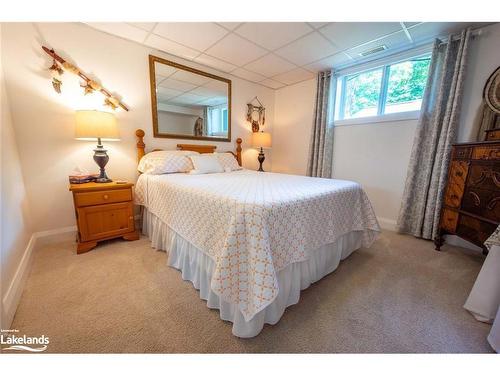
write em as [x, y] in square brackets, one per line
[101, 159]
[261, 159]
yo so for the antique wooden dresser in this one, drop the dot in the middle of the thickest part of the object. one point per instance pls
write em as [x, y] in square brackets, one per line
[471, 208]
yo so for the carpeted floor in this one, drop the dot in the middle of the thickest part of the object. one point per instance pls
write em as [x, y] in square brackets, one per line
[398, 296]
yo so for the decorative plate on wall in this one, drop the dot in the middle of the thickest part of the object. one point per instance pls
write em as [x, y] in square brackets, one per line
[492, 91]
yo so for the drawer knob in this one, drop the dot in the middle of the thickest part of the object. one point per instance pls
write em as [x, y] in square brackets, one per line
[105, 196]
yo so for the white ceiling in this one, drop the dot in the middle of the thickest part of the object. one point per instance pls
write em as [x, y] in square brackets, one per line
[178, 87]
[277, 54]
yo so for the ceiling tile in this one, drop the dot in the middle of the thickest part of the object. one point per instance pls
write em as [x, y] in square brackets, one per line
[317, 25]
[229, 25]
[329, 62]
[215, 63]
[147, 26]
[177, 85]
[310, 48]
[236, 50]
[270, 65]
[193, 78]
[188, 98]
[164, 69]
[251, 76]
[351, 34]
[205, 91]
[294, 76]
[430, 30]
[217, 86]
[393, 41]
[197, 35]
[121, 29]
[168, 46]
[272, 35]
[166, 93]
[410, 24]
[271, 83]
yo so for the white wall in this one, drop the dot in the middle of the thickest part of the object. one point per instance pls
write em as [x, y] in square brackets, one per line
[44, 120]
[15, 223]
[375, 155]
[484, 59]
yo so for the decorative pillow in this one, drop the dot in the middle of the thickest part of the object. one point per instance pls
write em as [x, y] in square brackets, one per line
[228, 161]
[208, 163]
[160, 162]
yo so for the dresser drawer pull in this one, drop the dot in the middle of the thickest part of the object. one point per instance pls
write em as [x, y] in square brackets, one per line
[477, 200]
[105, 196]
[491, 204]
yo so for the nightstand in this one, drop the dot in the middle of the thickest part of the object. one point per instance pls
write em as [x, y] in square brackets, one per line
[103, 211]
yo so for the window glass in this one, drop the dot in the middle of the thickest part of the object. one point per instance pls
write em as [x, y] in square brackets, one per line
[362, 94]
[406, 85]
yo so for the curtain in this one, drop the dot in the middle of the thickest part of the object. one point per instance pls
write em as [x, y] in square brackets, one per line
[321, 143]
[436, 131]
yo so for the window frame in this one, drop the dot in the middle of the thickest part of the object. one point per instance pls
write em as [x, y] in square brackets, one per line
[381, 115]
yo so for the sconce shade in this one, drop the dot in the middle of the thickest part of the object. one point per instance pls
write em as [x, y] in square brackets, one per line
[91, 125]
[261, 139]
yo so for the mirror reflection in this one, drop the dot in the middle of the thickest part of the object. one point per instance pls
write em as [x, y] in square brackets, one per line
[189, 103]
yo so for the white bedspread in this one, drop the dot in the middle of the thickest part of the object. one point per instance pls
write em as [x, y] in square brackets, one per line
[254, 224]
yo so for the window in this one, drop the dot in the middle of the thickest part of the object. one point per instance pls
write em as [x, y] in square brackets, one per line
[217, 120]
[392, 88]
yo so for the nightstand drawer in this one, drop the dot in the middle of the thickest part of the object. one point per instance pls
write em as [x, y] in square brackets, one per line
[104, 221]
[102, 197]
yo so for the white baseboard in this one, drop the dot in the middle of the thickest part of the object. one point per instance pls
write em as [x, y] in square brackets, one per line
[387, 224]
[12, 297]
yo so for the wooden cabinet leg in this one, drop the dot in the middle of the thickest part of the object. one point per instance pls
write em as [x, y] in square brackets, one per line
[131, 236]
[83, 247]
[438, 241]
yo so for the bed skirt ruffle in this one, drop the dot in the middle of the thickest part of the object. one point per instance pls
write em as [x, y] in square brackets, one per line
[198, 268]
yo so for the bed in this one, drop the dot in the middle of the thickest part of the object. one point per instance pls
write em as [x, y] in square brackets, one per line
[251, 241]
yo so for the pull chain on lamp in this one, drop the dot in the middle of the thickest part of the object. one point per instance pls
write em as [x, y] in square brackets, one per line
[92, 125]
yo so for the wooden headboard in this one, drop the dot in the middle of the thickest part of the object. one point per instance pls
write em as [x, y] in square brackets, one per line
[202, 149]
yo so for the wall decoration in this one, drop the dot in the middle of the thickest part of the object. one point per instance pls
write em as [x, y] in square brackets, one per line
[256, 114]
[59, 65]
[491, 92]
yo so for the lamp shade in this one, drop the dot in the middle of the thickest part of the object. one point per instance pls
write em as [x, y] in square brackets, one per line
[261, 139]
[91, 125]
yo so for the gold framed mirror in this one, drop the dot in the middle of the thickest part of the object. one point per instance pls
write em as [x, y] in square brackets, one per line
[188, 103]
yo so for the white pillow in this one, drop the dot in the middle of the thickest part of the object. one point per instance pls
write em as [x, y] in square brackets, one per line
[228, 161]
[160, 162]
[207, 163]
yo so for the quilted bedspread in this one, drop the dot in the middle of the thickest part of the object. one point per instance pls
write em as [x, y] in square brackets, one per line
[254, 224]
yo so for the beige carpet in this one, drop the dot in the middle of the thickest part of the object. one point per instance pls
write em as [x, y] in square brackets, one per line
[398, 296]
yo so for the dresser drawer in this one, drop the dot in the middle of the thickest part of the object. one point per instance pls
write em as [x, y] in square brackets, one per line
[102, 197]
[461, 152]
[105, 221]
[484, 176]
[486, 153]
[449, 220]
[484, 203]
[474, 230]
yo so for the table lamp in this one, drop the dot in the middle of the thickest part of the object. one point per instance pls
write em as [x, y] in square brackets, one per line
[92, 125]
[261, 140]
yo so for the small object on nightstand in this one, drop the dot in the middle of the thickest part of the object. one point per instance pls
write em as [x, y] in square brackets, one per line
[121, 181]
[103, 211]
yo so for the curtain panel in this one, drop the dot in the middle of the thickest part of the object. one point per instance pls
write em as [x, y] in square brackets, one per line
[320, 159]
[436, 131]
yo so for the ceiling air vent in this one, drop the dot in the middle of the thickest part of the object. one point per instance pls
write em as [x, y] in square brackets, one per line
[377, 49]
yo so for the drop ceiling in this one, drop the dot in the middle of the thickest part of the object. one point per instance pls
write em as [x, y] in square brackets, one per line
[277, 54]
